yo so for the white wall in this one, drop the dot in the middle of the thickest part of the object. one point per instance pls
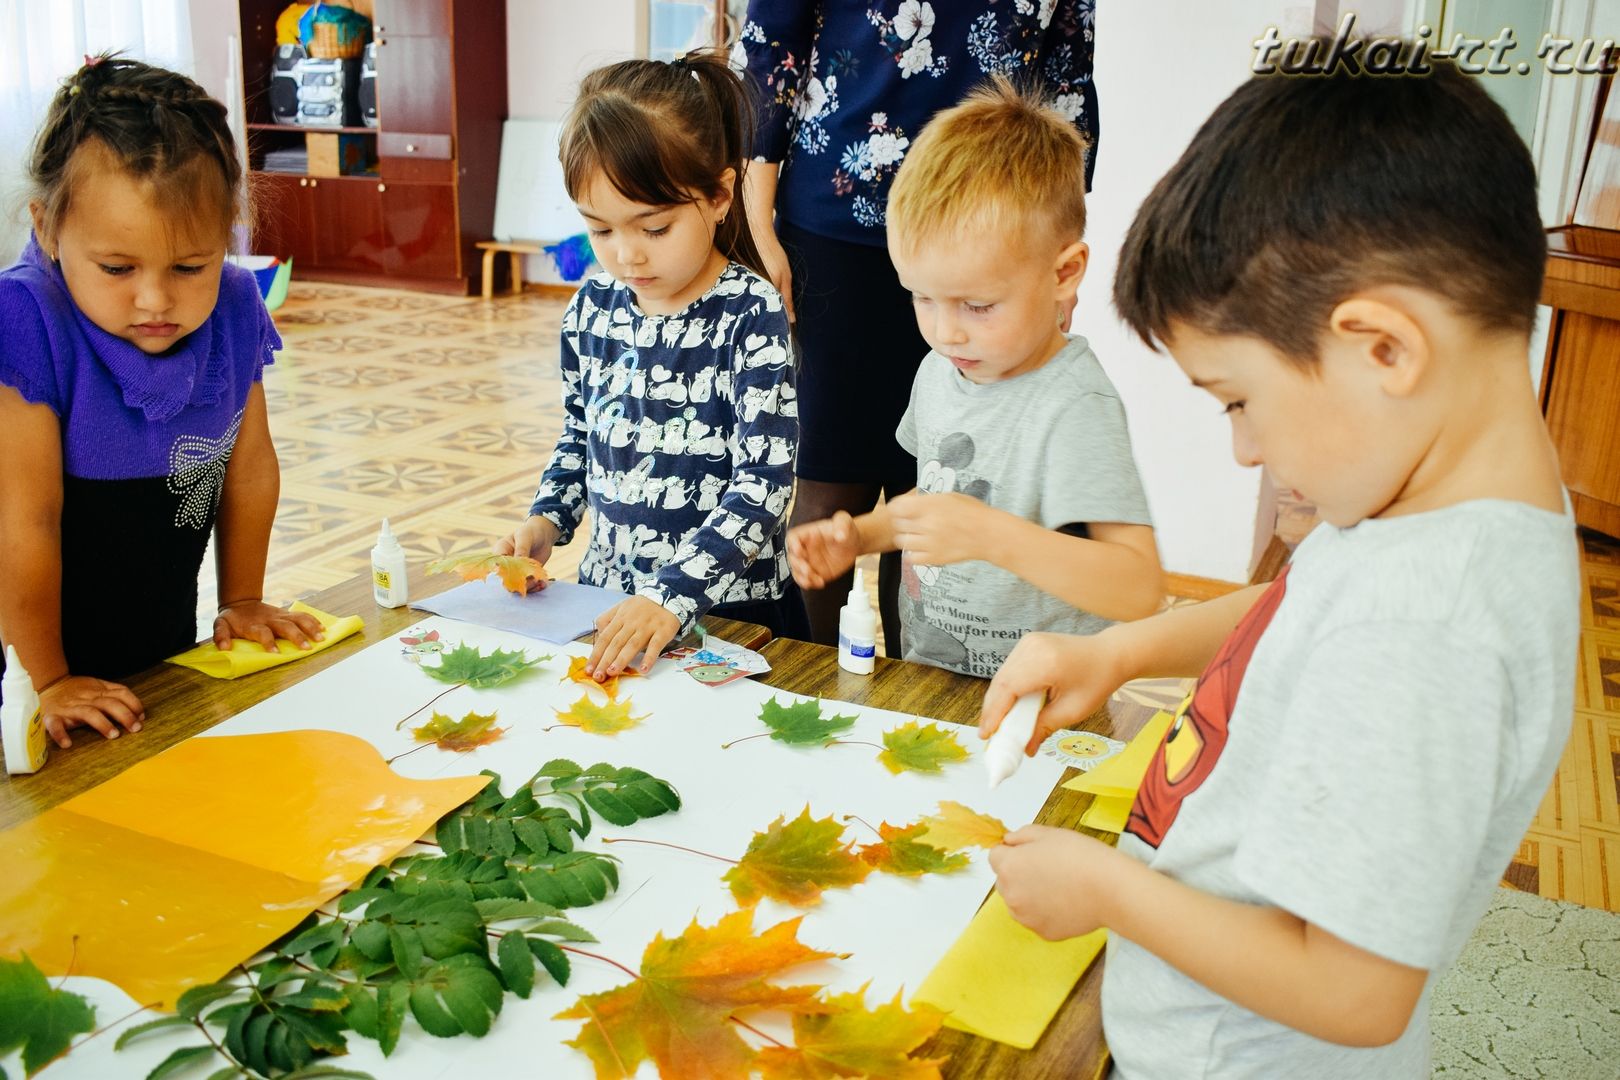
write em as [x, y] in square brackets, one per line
[1157, 80]
[551, 44]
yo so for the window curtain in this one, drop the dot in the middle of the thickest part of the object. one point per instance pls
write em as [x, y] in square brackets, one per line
[43, 42]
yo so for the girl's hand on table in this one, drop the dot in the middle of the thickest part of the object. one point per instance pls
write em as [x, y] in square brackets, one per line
[632, 626]
[84, 701]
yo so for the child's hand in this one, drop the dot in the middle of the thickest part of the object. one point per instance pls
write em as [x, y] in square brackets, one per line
[823, 551]
[255, 620]
[534, 538]
[1055, 881]
[940, 529]
[82, 701]
[636, 625]
[1077, 673]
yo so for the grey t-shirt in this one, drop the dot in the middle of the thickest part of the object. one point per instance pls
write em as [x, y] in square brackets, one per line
[1365, 752]
[1050, 447]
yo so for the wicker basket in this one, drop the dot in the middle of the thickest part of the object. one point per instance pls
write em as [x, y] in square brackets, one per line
[330, 42]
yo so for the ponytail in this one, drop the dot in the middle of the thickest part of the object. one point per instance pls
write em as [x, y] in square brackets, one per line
[659, 131]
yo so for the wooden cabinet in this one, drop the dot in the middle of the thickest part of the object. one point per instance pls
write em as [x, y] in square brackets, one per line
[411, 220]
[1580, 379]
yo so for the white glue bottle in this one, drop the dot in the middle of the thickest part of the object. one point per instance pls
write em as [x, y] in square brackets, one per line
[388, 570]
[857, 630]
[1006, 750]
[22, 727]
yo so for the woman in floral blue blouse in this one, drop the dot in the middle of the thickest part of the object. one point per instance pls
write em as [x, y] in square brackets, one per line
[844, 87]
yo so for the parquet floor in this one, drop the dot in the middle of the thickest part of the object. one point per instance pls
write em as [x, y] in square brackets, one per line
[439, 412]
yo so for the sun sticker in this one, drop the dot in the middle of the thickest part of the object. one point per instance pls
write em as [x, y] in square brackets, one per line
[1083, 750]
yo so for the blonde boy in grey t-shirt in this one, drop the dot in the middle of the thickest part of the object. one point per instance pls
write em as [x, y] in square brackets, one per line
[1327, 818]
[1028, 513]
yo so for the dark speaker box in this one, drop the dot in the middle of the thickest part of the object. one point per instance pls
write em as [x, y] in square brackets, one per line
[284, 83]
[368, 86]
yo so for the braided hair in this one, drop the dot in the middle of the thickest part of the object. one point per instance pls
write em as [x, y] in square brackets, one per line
[161, 128]
[659, 130]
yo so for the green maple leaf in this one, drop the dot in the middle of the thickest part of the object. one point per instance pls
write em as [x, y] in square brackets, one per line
[920, 749]
[795, 862]
[468, 733]
[801, 723]
[465, 664]
[902, 852]
[33, 1016]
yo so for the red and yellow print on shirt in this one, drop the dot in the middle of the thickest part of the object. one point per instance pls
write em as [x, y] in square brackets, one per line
[1196, 738]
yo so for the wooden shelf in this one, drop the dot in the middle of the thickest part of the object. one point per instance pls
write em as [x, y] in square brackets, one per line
[305, 128]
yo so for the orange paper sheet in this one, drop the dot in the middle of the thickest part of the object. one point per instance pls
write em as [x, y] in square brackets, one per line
[188, 863]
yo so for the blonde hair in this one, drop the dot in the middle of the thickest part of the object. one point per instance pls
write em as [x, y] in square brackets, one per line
[1004, 160]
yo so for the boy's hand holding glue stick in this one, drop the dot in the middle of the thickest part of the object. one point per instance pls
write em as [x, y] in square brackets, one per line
[1074, 674]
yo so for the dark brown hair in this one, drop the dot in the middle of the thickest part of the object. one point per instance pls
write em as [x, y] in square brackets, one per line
[158, 126]
[659, 131]
[1300, 190]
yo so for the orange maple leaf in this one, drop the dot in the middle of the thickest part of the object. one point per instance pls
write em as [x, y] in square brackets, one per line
[515, 570]
[795, 862]
[608, 686]
[851, 1040]
[678, 1011]
[468, 733]
[956, 826]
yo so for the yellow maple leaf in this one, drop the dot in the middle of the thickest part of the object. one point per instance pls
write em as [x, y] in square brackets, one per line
[608, 686]
[515, 570]
[850, 1040]
[920, 748]
[468, 733]
[609, 719]
[956, 826]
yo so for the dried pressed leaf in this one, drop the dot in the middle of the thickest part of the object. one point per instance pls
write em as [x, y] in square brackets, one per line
[465, 664]
[801, 723]
[608, 686]
[957, 826]
[594, 719]
[515, 570]
[794, 862]
[851, 1040]
[468, 733]
[904, 851]
[678, 1012]
[920, 748]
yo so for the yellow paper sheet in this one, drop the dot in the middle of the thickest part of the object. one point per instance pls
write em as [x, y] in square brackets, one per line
[192, 861]
[246, 657]
[1108, 813]
[1004, 981]
[1121, 775]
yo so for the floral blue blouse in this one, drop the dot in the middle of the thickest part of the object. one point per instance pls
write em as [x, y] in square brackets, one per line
[845, 85]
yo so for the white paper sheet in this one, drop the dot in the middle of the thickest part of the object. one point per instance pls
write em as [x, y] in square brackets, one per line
[895, 928]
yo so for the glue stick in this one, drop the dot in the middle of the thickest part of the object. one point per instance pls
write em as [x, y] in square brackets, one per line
[1006, 750]
[388, 569]
[857, 630]
[22, 726]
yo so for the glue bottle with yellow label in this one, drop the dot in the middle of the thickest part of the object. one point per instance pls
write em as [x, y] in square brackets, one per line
[22, 727]
[388, 570]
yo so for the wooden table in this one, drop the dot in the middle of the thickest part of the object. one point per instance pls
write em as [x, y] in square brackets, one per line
[1073, 1044]
[181, 702]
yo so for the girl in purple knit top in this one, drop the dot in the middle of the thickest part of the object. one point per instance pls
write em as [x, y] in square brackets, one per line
[130, 401]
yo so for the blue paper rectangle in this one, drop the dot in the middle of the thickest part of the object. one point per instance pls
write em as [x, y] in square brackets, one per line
[559, 613]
